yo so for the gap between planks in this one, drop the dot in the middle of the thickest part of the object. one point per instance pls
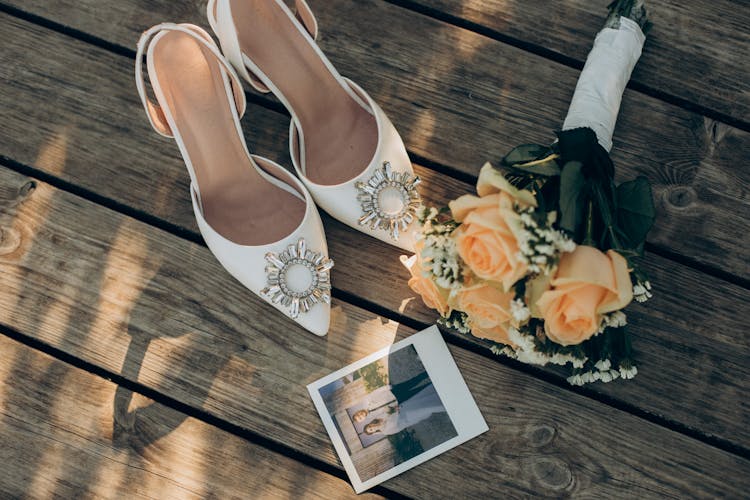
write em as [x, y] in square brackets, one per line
[391, 313]
[432, 13]
[475, 347]
[114, 439]
[438, 167]
[571, 62]
[190, 411]
[63, 212]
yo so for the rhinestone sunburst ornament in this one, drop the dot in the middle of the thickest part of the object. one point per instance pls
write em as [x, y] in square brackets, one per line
[310, 271]
[389, 200]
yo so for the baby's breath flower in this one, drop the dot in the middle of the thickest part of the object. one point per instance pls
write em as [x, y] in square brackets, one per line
[575, 379]
[540, 245]
[545, 249]
[439, 249]
[527, 352]
[603, 365]
[427, 213]
[629, 372]
[457, 321]
[583, 378]
[616, 319]
[539, 259]
[608, 376]
[642, 291]
[520, 312]
[579, 362]
[499, 350]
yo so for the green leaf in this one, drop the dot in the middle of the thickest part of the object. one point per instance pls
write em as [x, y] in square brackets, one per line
[605, 204]
[541, 203]
[635, 210]
[571, 199]
[525, 153]
[546, 168]
[533, 159]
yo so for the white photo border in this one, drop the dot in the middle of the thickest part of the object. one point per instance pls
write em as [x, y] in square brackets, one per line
[449, 384]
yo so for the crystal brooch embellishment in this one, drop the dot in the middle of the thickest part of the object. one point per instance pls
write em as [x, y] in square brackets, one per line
[389, 200]
[298, 278]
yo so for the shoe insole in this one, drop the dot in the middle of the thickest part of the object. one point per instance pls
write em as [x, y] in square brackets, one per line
[340, 137]
[237, 201]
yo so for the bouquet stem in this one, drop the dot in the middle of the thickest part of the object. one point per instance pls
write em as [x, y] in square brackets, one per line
[617, 48]
[589, 238]
[634, 10]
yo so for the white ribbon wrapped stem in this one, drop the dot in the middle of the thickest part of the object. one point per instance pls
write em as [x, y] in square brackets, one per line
[598, 94]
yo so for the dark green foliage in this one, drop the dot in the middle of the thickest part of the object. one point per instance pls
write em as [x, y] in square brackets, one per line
[592, 208]
[571, 196]
[525, 153]
[635, 212]
[594, 211]
[519, 157]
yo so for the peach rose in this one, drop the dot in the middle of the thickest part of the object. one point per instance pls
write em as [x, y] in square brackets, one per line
[432, 295]
[587, 284]
[493, 181]
[497, 334]
[487, 239]
[488, 310]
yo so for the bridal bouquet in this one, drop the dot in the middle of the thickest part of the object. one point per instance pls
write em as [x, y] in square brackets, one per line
[543, 260]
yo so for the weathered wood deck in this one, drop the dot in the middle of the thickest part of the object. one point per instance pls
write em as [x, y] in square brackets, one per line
[132, 365]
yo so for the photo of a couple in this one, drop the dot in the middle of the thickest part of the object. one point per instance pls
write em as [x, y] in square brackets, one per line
[393, 408]
[388, 412]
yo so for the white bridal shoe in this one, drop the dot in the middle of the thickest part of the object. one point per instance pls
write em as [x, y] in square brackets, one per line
[258, 219]
[344, 148]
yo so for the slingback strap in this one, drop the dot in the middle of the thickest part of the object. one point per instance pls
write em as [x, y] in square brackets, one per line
[153, 110]
[227, 34]
[305, 15]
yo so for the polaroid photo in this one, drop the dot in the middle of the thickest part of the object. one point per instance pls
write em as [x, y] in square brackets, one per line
[396, 409]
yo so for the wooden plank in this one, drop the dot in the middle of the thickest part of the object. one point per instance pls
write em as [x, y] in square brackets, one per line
[461, 99]
[158, 309]
[77, 143]
[66, 433]
[695, 52]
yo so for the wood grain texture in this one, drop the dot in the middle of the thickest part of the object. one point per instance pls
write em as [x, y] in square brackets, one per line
[461, 99]
[96, 132]
[158, 309]
[65, 433]
[696, 50]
